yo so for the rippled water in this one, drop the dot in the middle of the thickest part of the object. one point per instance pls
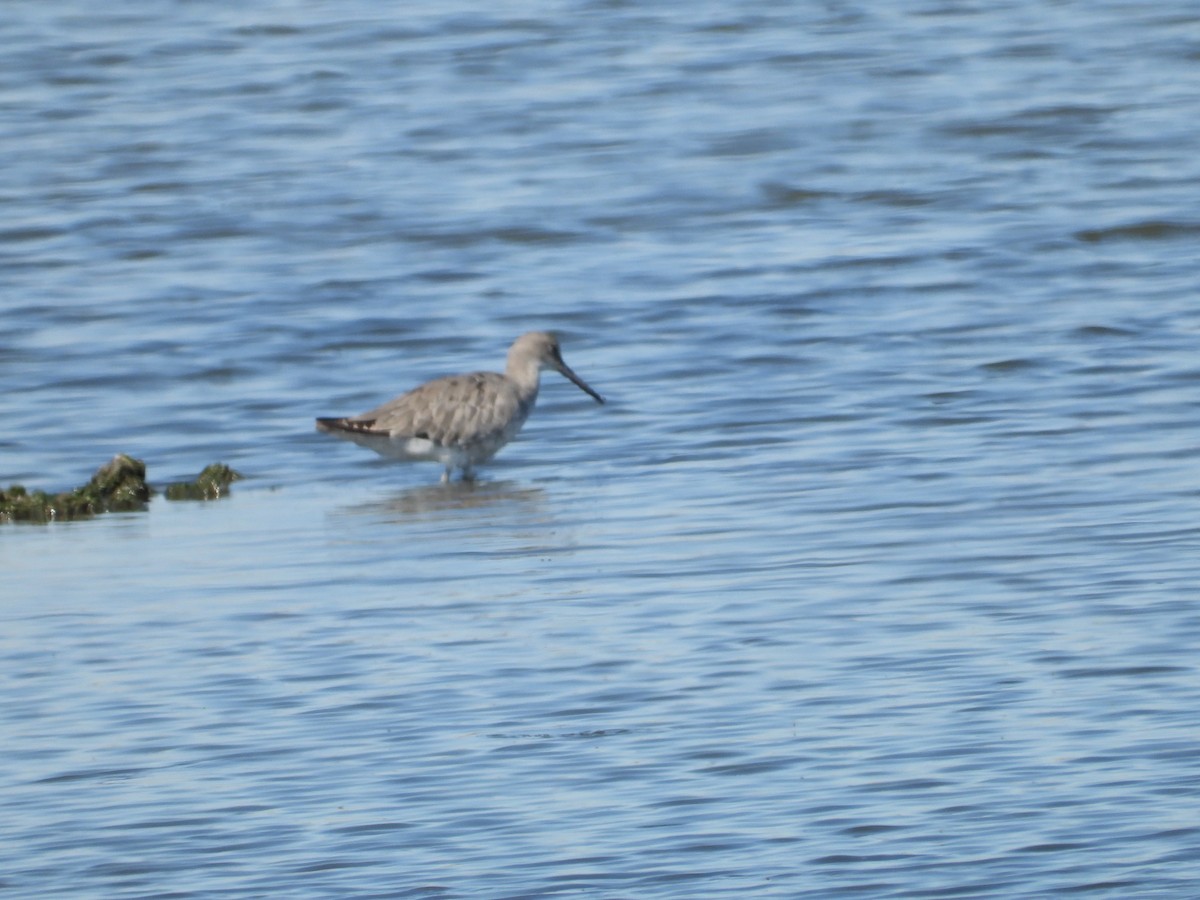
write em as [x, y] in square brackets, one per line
[877, 576]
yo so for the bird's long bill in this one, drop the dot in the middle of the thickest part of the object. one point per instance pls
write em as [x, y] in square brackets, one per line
[579, 382]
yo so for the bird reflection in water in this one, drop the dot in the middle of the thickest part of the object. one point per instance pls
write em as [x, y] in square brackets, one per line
[478, 497]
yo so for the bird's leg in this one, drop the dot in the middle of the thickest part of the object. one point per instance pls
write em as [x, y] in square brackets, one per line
[468, 474]
[446, 474]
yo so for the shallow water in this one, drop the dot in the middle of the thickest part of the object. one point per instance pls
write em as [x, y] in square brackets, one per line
[876, 576]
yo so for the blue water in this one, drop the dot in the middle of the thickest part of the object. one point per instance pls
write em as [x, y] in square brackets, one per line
[876, 577]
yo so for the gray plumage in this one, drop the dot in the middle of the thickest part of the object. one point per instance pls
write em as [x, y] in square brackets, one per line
[460, 420]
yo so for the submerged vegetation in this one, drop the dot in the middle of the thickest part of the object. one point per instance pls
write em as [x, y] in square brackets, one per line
[210, 484]
[118, 486]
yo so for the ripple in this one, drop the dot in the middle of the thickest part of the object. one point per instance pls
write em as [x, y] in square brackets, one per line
[1148, 230]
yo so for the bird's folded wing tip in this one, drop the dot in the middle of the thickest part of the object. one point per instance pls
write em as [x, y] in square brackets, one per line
[334, 424]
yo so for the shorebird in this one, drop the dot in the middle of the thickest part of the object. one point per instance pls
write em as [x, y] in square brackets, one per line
[460, 420]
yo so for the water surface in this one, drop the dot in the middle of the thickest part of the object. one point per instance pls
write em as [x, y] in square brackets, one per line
[875, 577]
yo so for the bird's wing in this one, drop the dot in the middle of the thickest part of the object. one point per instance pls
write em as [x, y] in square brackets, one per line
[451, 411]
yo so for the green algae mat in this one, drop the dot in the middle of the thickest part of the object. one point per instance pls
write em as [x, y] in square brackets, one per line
[118, 486]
